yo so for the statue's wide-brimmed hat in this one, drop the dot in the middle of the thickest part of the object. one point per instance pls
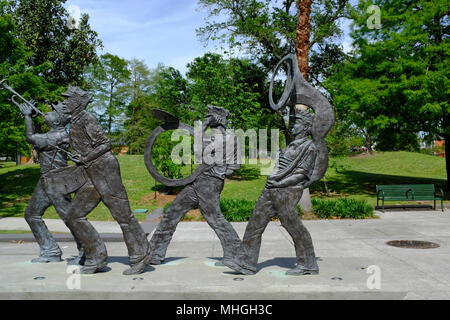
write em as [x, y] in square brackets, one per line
[219, 111]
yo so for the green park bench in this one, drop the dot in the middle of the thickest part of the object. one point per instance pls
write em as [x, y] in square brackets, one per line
[409, 192]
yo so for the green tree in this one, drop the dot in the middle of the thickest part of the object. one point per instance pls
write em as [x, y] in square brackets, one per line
[26, 80]
[234, 84]
[43, 27]
[139, 121]
[267, 30]
[396, 82]
[108, 81]
[171, 93]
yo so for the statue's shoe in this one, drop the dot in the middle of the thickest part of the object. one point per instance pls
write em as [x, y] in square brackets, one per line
[220, 264]
[154, 261]
[47, 259]
[236, 267]
[78, 260]
[93, 269]
[300, 271]
[138, 268]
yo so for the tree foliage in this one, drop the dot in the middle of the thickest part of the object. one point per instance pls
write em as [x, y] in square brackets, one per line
[267, 30]
[107, 79]
[234, 84]
[396, 82]
[23, 78]
[43, 27]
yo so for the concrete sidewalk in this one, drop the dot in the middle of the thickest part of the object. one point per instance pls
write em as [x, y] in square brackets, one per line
[56, 225]
[109, 229]
[346, 249]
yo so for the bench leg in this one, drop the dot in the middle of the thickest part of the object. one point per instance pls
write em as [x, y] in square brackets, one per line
[434, 205]
[383, 206]
[442, 205]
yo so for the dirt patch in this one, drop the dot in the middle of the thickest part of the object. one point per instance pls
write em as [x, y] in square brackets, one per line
[161, 199]
[309, 216]
[194, 215]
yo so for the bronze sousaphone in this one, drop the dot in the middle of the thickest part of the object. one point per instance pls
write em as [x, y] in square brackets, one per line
[299, 91]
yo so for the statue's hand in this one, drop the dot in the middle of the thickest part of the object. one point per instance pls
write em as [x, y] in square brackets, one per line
[78, 159]
[25, 109]
[270, 183]
[229, 173]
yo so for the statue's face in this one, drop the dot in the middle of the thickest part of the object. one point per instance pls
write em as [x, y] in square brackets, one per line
[299, 127]
[70, 105]
[52, 119]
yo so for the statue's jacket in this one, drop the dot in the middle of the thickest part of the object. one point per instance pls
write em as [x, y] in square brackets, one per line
[86, 134]
[51, 158]
[231, 155]
[86, 138]
[298, 158]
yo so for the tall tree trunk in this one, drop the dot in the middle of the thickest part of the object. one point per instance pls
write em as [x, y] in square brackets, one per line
[303, 36]
[110, 108]
[302, 50]
[447, 159]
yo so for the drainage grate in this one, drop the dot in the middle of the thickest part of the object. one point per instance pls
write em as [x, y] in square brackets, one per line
[413, 244]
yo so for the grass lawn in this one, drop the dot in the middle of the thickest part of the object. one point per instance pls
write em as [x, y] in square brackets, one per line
[14, 232]
[354, 177]
[357, 176]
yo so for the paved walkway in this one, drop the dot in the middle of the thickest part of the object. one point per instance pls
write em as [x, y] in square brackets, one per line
[346, 249]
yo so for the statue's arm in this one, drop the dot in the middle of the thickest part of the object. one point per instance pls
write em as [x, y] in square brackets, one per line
[290, 181]
[99, 140]
[29, 130]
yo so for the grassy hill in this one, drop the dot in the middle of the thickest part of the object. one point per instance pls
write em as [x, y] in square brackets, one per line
[354, 177]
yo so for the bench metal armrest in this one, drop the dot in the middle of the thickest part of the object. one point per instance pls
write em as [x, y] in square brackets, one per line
[382, 194]
[407, 192]
[441, 193]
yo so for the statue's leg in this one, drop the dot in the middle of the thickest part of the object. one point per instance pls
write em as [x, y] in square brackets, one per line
[185, 201]
[286, 205]
[105, 176]
[39, 202]
[208, 191]
[84, 201]
[251, 243]
[62, 204]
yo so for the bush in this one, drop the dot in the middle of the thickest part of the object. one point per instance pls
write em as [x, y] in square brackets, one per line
[344, 208]
[246, 173]
[240, 210]
[237, 210]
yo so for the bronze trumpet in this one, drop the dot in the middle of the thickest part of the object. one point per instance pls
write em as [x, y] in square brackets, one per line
[4, 85]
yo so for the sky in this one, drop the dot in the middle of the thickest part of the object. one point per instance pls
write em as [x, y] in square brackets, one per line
[154, 31]
[151, 30]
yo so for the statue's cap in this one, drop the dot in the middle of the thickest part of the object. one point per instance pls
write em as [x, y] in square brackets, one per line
[59, 108]
[219, 111]
[71, 91]
[304, 115]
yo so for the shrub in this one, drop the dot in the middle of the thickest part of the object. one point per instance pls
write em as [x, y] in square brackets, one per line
[237, 210]
[246, 173]
[240, 210]
[345, 208]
